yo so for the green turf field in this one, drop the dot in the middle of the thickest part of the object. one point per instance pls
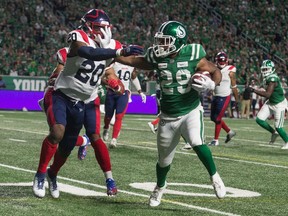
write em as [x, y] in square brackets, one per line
[255, 173]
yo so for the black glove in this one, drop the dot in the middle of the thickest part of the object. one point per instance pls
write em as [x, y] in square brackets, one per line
[132, 50]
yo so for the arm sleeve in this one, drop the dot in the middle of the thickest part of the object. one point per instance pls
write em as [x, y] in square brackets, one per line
[136, 83]
[97, 54]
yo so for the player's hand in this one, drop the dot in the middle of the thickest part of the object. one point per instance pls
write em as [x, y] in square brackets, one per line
[143, 96]
[251, 89]
[203, 84]
[104, 42]
[131, 50]
[114, 84]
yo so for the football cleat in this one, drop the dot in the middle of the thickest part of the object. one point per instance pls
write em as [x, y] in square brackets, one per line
[105, 134]
[214, 143]
[229, 136]
[218, 186]
[273, 137]
[285, 146]
[111, 187]
[152, 128]
[187, 146]
[38, 185]
[113, 143]
[156, 196]
[82, 151]
[52, 183]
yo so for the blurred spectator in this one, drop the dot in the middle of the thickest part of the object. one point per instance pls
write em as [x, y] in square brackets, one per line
[14, 71]
[2, 83]
[246, 102]
[42, 26]
[32, 68]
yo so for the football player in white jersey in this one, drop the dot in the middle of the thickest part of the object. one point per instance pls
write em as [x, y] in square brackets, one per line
[46, 101]
[116, 104]
[222, 97]
[79, 79]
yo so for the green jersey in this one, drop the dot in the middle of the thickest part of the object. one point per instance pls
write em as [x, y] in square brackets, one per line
[177, 96]
[277, 95]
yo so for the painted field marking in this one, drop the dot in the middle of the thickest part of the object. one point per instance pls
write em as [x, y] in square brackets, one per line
[17, 140]
[122, 191]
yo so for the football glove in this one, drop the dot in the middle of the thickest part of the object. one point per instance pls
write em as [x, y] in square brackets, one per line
[143, 96]
[130, 50]
[203, 84]
[116, 86]
[104, 42]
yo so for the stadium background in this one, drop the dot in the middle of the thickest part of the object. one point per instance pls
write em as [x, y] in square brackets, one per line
[249, 31]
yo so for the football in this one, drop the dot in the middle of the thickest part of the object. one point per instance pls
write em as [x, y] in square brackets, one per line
[196, 76]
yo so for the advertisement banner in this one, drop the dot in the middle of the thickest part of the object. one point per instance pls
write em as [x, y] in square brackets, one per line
[25, 83]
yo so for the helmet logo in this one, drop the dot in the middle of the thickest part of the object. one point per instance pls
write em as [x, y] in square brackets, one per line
[180, 32]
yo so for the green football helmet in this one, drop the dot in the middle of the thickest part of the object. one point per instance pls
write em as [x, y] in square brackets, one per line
[267, 68]
[169, 39]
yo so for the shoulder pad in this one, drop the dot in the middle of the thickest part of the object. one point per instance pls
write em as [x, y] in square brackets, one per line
[231, 68]
[62, 55]
[78, 35]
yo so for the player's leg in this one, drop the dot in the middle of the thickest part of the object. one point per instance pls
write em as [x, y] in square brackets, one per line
[153, 125]
[167, 140]
[261, 118]
[110, 106]
[121, 107]
[55, 112]
[92, 123]
[74, 124]
[193, 131]
[279, 115]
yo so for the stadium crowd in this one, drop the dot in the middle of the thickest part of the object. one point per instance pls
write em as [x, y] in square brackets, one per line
[31, 31]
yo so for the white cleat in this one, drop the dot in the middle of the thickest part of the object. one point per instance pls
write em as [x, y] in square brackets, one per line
[113, 143]
[273, 138]
[285, 146]
[39, 187]
[53, 187]
[151, 126]
[155, 198]
[105, 134]
[187, 146]
[218, 186]
[229, 136]
[214, 143]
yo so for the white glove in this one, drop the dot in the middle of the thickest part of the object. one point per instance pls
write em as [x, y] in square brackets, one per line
[203, 84]
[104, 42]
[143, 96]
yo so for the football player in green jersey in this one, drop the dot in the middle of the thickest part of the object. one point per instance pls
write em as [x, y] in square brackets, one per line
[276, 103]
[181, 112]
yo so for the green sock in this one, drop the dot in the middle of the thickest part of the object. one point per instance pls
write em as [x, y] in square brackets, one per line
[265, 125]
[206, 158]
[282, 134]
[161, 173]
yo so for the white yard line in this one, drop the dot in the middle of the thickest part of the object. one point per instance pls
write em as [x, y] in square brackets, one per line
[17, 140]
[128, 192]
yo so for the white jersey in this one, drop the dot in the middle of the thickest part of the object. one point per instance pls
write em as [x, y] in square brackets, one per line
[124, 73]
[224, 87]
[80, 77]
